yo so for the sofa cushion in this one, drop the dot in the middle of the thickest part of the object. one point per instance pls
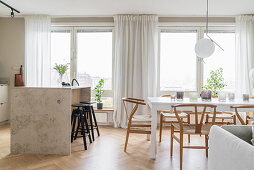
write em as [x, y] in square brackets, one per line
[229, 152]
[243, 132]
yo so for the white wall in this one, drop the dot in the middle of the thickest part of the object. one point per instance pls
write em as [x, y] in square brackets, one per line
[12, 48]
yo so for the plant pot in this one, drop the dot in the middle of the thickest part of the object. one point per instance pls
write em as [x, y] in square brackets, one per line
[99, 105]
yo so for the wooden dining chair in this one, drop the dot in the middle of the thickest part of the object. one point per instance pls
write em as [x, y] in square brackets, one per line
[135, 121]
[230, 118]
[169, 117]
[198, 128]
[248, 117]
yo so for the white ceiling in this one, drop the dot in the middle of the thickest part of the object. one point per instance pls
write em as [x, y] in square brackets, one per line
[111, 7]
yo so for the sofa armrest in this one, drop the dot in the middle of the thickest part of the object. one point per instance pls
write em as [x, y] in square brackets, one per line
[228, 152]
[243, 132]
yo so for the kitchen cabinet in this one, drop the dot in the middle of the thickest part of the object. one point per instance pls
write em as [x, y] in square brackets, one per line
[3, 103]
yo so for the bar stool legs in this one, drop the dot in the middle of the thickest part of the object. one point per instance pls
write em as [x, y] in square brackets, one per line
[86, 124]
[91, 121]
[82, 125]
[95, 122]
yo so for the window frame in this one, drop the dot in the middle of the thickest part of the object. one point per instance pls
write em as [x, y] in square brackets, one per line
[73, 65]
[200, 63]
[66, 28]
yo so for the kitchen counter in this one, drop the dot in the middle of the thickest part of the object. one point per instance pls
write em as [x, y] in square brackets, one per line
[41, 118]
[54, 87]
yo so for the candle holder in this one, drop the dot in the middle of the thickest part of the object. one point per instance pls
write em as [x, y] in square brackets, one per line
[179, 95]
[194, 96]
[246, 97]
[231, 96]
[206, 95]
[222, 96]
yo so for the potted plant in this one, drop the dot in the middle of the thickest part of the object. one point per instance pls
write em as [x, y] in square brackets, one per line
[99, 91]
[61, 70]
[215, 82]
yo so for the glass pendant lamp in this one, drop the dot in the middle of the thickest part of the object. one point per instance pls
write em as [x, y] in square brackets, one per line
[205, 47]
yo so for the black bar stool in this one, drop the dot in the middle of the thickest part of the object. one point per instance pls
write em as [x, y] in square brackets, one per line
[92, 118]
[82, 126]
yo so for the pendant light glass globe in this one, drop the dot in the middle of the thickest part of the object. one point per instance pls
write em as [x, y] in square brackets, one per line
[204, 48]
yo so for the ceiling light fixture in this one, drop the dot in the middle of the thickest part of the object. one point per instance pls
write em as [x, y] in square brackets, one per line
[205, 47]
[11, 8]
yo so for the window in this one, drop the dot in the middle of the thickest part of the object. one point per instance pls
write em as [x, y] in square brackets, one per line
[60, 54]
[94, 60]
[94, 57]
[177, 60]
[224, 59]
[181, 70]
[88, 52]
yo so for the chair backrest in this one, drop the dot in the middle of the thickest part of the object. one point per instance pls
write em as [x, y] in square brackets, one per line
[198, 123]
[136, 103]
[166, 95]
[236, 107]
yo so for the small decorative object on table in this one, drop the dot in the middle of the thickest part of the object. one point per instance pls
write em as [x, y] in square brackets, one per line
[206, 95]
[61, 70]
[19, 78]
[216, 82]
[231, 96]
[194, 96]
[222, 96]
[246, 97]
[173, 97]
[179, 95]
[99, 91]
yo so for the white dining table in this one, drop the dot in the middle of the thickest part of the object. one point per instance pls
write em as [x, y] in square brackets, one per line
[165, 103]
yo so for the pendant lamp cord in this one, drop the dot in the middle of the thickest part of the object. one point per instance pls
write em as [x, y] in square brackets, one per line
[207, 8]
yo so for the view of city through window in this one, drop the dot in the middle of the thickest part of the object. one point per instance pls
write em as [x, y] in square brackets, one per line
[94, 58]
[94, 61]
[177, 61]
[224, 59]
[60, 54]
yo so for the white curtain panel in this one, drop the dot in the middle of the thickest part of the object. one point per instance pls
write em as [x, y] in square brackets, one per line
[135, 63]
[37, 50]
[244, 53]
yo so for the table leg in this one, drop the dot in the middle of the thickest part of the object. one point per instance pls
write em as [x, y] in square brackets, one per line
[153, 133]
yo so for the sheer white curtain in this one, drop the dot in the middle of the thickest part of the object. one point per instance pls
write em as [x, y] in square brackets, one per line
[37, 50]
[135, 63]
[244, 53]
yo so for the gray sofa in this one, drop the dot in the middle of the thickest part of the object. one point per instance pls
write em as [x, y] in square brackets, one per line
[230, 148]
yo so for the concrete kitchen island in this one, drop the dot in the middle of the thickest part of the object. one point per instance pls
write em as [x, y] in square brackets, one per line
[41, 118]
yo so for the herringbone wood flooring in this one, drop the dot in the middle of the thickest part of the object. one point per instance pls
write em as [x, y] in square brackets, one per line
[106, 153]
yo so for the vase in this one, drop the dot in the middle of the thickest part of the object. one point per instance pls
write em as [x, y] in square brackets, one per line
[206, 95]
[99, 105]
[60, 79]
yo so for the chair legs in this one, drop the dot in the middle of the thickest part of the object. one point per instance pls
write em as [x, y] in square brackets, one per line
[206, 144]
[161, 125]
[171, 141]
[181, 151]
[234, 120]
[127, 138]
[188, 120]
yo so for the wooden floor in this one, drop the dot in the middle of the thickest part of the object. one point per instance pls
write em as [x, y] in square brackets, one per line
[106, 153]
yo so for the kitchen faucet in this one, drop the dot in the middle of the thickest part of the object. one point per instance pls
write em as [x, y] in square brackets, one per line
[73, 82]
